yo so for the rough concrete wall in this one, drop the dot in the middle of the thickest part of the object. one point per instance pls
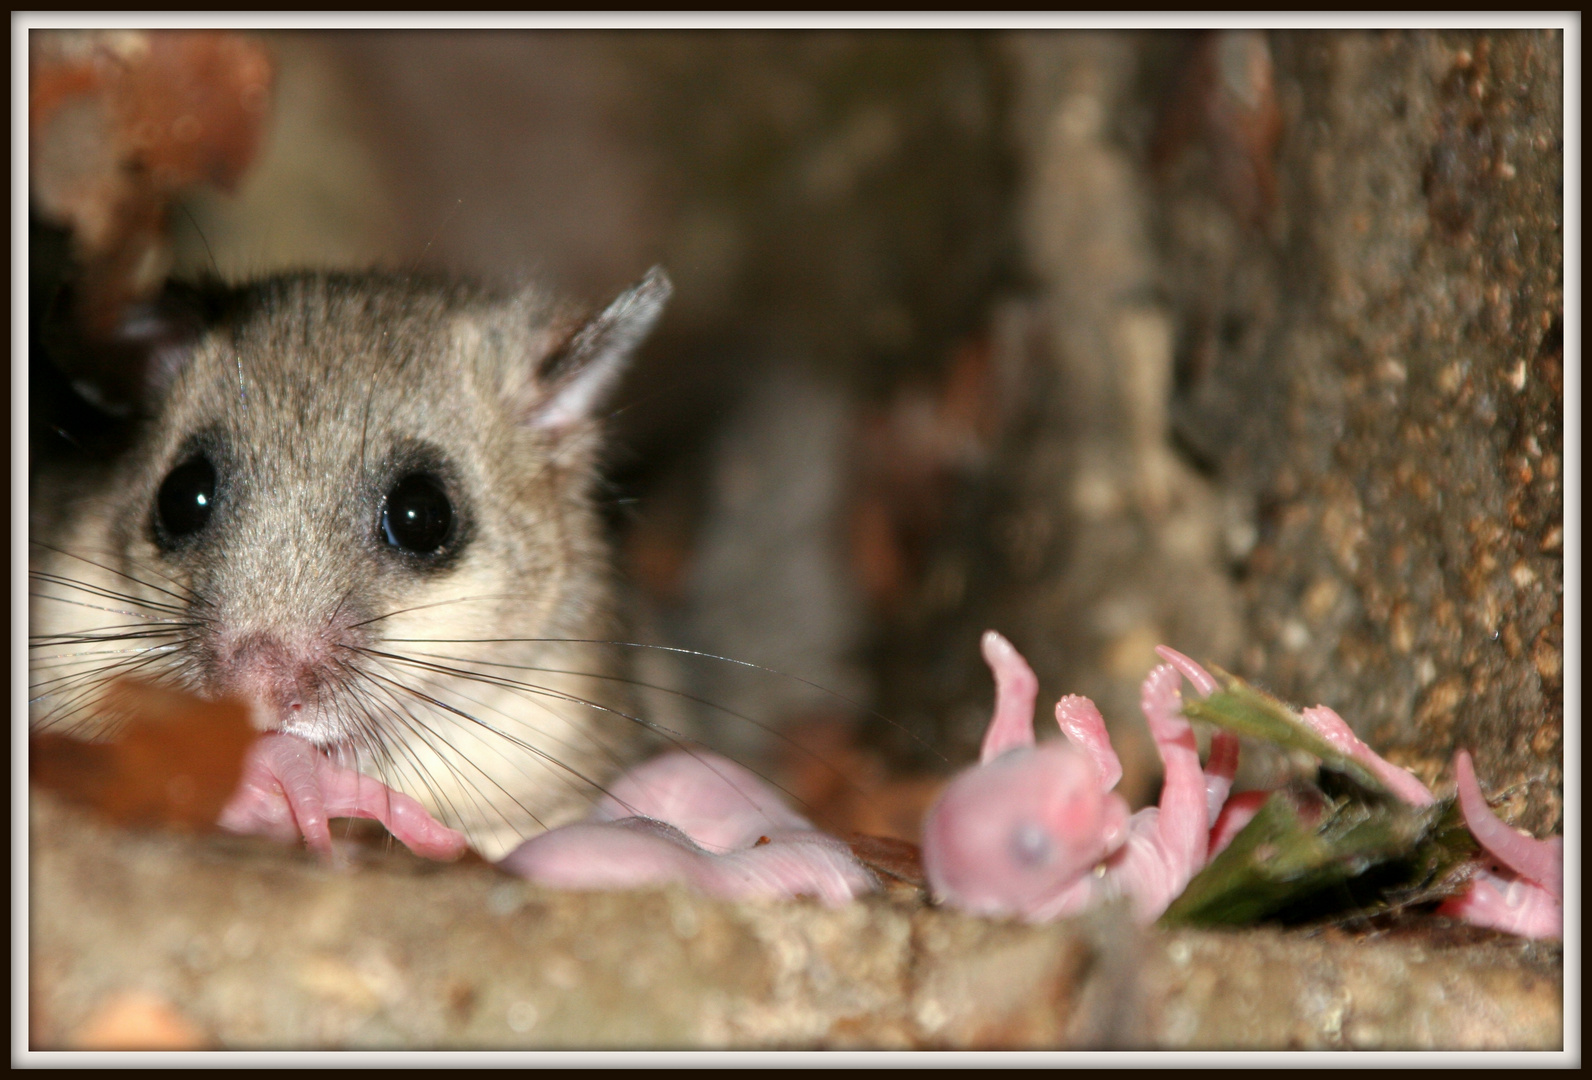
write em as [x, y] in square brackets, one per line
[1327, 267]
[1375, 361]
[1090, 541]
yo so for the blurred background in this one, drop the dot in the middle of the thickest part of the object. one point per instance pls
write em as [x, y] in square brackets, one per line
[1248, 343]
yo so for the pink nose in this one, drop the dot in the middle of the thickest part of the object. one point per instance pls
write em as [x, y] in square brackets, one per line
[279, 676]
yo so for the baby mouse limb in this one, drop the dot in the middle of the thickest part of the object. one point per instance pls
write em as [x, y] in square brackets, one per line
[696, 819]
[1030, 832]
[1521, 892]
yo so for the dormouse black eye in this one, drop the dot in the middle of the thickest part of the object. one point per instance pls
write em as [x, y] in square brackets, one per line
[416, 516]
[187, 497]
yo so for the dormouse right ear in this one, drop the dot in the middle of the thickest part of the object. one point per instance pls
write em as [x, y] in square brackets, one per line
[576, 377]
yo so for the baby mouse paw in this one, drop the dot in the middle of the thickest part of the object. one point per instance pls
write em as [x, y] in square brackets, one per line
[291, 789]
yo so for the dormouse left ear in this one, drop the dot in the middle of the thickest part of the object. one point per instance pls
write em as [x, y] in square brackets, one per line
[580, 373]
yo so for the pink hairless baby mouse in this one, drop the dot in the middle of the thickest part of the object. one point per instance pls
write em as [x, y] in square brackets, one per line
[693, 818]
[1035, 831]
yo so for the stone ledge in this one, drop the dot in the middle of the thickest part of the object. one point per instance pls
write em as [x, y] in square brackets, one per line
[165, 940]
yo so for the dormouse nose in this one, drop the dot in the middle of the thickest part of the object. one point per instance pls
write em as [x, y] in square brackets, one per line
[286, 677]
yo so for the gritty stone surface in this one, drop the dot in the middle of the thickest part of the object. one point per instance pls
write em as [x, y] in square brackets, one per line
[1340, 256]
[1377, 370]
[1271, 989]
[164, 940]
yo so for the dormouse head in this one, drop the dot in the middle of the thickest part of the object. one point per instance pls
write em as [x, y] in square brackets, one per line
[338, 461]
[1010, 835]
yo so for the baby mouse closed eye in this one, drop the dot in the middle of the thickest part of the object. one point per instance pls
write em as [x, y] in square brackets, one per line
[364, 504]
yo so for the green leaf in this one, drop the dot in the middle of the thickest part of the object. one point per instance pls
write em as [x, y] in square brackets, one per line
[1240, 708]
[1345, 846]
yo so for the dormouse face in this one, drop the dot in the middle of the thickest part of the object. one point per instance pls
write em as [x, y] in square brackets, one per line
[338, 453]
[340, 477]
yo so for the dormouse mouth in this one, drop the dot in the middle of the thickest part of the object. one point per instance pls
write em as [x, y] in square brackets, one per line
[300, 720]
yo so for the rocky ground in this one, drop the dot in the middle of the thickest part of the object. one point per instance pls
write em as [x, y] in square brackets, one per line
[166, 941]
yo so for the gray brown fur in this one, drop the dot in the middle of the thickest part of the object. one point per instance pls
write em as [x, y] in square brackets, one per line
[313, 393]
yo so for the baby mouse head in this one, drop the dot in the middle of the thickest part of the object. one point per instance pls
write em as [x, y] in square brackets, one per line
[1013, 834]
[340, 463]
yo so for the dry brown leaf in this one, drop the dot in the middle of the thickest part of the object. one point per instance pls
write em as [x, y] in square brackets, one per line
[847, 788]
[175, 760]
[892, 859]
[122, 121]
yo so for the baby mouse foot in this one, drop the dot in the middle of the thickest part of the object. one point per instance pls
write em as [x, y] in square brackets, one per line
[1222, 764]
[291, 789]
[1401, 782]
[1523, 893]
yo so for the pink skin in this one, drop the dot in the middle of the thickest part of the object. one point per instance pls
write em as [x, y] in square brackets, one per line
[1222, 764]
[1034, 831]
[292, 789]
[1234, 815]
[1523, 893]
[699, 820]
[1333, 728]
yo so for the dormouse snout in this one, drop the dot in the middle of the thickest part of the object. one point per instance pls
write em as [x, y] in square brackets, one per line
[286, 678]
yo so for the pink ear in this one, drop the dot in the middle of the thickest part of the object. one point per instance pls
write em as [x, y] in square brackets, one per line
[1012, 726]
